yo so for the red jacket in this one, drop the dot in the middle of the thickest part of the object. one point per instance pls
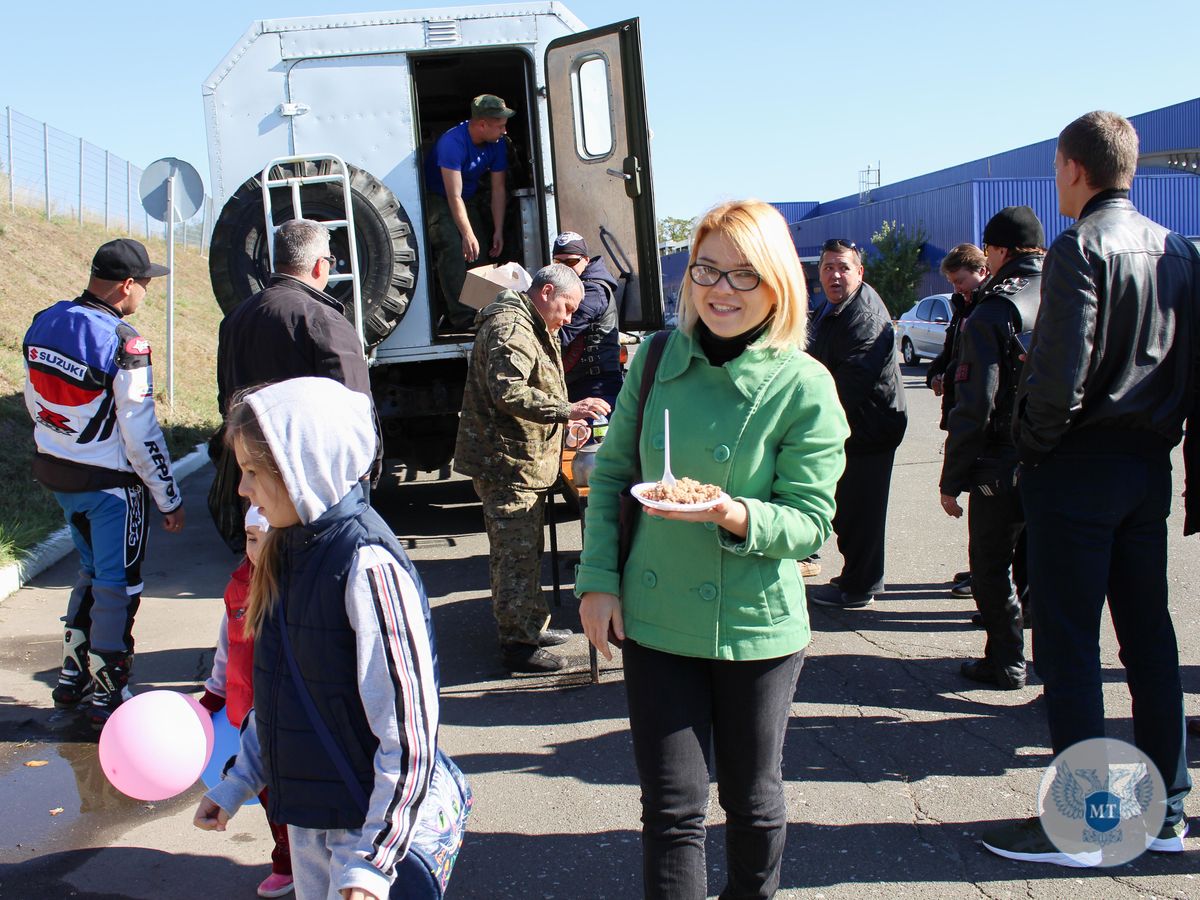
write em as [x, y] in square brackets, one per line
[239, 670]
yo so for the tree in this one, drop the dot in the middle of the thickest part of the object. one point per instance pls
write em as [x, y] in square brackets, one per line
[895, 269]
[673, 230]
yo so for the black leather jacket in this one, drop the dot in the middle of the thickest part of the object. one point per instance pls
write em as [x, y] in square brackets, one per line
[979, 446]
[857, 343]
[1116, 342]
[946, 361]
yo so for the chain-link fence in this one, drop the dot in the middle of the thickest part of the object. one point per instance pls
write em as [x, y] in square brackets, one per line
[70, 178]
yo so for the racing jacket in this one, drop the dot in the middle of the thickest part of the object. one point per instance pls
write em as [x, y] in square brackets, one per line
[89, 390]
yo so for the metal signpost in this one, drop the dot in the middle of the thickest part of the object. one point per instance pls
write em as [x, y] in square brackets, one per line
[171, 188]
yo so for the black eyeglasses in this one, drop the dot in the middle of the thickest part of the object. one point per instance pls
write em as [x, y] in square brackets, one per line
[833, 245]
[332, 260]
[739, 279]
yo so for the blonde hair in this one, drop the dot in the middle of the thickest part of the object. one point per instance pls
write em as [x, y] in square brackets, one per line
[243, 430]
[760, 235]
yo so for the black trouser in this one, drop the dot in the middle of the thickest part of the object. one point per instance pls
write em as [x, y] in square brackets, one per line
[681, 709]
[994, 524]
[861, 519]
[1096, 512]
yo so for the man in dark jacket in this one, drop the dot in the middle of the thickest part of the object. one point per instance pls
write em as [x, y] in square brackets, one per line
[1110, 379]
[980, 456]
[852, 335]
[290, 329]
[591, 341]
[965, 267]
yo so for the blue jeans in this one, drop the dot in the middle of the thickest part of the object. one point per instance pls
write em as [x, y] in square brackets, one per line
[109, 531]
[1096, 515]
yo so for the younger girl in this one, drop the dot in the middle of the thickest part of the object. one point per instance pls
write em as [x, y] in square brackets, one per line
[345, 674]
[231, 686]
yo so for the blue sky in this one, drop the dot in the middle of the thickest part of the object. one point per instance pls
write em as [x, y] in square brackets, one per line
[784, 101]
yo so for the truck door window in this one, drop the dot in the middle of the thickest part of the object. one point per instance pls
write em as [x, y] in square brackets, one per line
[593, 114]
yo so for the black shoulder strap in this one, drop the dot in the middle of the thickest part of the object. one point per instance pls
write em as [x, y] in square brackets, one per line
[654, 351]
[336, 755]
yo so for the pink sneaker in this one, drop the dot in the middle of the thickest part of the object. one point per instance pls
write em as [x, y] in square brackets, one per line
[275, 885]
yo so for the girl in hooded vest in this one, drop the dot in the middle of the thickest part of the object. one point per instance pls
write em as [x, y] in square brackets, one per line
[343, 733]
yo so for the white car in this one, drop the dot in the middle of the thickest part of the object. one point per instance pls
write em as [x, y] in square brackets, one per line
[922, 330]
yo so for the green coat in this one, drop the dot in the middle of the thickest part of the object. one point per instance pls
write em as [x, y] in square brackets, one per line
[768, 428]
[515, 402]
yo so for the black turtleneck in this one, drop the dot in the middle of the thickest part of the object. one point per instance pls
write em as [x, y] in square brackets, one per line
[721, 350]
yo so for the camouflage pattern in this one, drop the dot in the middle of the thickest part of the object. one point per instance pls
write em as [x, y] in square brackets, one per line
[515, 407]
[514, 519]
[446, 243]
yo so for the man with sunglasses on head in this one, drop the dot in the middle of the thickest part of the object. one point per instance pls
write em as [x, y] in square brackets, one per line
[852, 335]
[591, 341]
[290, 329]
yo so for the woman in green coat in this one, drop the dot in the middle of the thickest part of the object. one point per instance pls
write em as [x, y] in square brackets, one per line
[710, 604]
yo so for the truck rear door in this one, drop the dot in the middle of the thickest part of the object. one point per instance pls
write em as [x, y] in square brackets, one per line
[600, 148]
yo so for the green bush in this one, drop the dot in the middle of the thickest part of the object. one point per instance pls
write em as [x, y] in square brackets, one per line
[895, 269]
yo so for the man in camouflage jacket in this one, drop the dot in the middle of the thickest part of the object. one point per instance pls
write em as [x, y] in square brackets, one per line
[510, 438]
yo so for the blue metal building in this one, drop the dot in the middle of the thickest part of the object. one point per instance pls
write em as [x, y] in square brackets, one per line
[953, 205]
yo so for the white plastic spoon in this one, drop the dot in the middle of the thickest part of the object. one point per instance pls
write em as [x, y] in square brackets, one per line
[668, 479]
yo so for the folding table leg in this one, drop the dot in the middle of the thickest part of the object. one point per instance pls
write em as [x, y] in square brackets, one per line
[552, 522]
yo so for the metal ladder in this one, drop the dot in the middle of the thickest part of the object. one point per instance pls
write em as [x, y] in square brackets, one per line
[294, 183]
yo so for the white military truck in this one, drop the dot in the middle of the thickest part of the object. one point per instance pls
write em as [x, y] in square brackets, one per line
[303, 113]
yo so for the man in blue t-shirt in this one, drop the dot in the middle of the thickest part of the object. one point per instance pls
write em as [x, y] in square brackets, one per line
[453, 171]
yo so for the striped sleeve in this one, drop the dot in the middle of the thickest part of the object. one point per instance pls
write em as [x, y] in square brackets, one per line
[399, 695]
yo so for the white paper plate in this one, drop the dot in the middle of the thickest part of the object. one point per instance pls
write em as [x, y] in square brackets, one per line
[639, 489]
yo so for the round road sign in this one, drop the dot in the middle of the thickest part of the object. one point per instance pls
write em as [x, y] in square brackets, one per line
[189, 188]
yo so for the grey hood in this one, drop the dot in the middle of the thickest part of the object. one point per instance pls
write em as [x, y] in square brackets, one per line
[321, 436]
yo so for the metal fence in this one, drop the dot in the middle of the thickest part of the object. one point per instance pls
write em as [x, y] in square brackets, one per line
[69, 178]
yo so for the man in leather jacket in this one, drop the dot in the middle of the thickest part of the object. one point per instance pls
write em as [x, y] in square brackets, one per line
[852, 335]
[965, 267]
[980, 456]
[1110, 379]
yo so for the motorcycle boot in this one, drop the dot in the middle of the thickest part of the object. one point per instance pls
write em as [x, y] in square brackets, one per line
[110, 672]
[75, 683]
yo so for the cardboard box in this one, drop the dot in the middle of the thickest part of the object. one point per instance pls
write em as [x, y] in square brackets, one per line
[485, 282]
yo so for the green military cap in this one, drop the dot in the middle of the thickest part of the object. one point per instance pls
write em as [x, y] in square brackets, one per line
[489, 106]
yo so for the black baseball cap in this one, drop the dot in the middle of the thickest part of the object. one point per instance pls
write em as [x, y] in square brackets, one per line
[570, 244]
[124, 258]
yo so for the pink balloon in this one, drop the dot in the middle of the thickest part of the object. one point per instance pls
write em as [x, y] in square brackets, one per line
[154, 746]
[206, 723]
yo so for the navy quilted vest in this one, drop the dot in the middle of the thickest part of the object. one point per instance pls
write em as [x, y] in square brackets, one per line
[305, 788]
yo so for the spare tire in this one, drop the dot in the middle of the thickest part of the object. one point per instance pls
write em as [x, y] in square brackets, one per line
[240, 266]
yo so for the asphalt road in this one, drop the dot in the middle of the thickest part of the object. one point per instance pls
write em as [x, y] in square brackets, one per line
[893, 762]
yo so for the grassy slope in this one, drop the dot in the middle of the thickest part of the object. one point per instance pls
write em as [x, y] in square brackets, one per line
[48, 261]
